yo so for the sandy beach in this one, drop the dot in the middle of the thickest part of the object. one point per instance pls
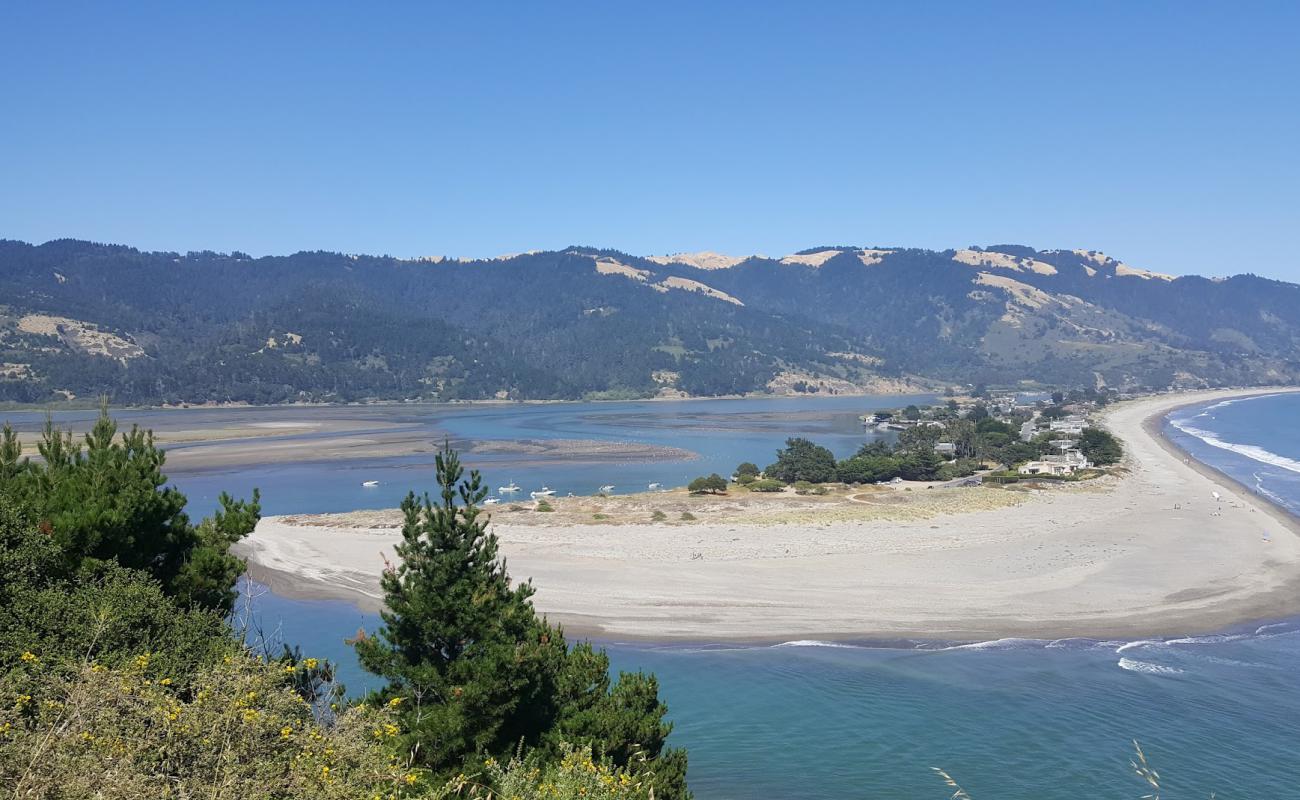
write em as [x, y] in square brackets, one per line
[1148, 552]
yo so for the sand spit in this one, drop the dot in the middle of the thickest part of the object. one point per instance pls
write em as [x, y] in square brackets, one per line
[1149, 552]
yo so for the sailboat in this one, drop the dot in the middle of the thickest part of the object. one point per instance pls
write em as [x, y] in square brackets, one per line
[545, 492]
[512, 487]
[607, 488]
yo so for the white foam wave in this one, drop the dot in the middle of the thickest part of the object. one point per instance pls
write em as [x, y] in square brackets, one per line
[1250, 451]
[1271, 626]
[1133, 665]
[818, 643]
[998, 644]
[1138, 643]
[1218, 638]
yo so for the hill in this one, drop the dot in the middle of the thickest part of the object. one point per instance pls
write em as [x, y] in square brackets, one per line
[81, 319]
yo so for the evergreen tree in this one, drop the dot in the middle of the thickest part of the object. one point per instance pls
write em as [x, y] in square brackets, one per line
[465, 656]
[109, 503]
[474, 671]
[801, 460]
[1100, 447]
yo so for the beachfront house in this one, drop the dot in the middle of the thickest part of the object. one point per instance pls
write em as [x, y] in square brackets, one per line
[1066, 463]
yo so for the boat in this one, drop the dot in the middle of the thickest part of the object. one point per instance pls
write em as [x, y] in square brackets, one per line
[607, 488]
[654, 486]
[513, 487]
[546, 491]
[370, 483]
[491, 501]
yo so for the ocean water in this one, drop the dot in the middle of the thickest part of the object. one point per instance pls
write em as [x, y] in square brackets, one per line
[1010, 720]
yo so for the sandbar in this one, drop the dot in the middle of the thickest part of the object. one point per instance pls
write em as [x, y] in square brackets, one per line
[1145, 552]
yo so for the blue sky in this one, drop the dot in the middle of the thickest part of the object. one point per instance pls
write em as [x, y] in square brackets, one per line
[1164, 134]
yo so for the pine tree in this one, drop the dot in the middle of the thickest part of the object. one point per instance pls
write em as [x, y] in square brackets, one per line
[108, 502]
[466, 658]
[475, 672]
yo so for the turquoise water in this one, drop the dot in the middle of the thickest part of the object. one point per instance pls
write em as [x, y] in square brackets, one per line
[1011, 720]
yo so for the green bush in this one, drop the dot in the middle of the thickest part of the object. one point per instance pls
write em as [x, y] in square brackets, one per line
[711, 484]
[688, 517]
[767, 485]
[234, 731]
[961, 468]
[747, 469]
[658, 516]
[745, 480]
[543, 506]
[804, 487]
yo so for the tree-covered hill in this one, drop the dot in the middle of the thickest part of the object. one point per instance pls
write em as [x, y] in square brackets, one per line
[83, 319]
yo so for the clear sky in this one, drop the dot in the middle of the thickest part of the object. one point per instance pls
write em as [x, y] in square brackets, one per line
[1165, 134]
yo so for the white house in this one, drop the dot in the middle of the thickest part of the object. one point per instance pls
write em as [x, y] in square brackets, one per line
[1065, 464]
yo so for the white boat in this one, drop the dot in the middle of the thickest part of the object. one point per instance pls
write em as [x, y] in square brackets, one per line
[607, 488]
[370, 483]
[491, 501]
[654, 486]
[513, 487]
[546, 491]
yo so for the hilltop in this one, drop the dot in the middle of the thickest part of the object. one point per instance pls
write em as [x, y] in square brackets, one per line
[79, 319]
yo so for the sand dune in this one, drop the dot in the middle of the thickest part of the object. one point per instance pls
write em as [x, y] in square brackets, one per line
[1147, 553]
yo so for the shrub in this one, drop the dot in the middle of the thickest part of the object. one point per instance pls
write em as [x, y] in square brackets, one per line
[746, 469]
[767, 485]
[126, 733]
[542, 505]
[577, 775]
[658, 516]
[804, 487]
[961, 468]
[688, 517]
[745, 480]
[712, 484]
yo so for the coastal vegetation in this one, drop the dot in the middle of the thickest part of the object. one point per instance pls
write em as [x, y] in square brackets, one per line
[122, 676]
[938, 444]
[709, 484]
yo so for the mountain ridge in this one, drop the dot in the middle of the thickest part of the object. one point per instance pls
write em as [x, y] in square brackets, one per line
[601, 323]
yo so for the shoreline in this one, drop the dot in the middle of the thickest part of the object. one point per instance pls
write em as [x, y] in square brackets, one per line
[76, 405]
[1154, 427]
[1092, 569]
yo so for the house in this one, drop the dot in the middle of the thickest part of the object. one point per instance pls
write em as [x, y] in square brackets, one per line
[1069, 425]
[1067, 463]
[945, 448]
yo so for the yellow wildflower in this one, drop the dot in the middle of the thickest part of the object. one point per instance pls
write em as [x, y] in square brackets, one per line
[310, 663]
[28, 655]
[395, 702]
